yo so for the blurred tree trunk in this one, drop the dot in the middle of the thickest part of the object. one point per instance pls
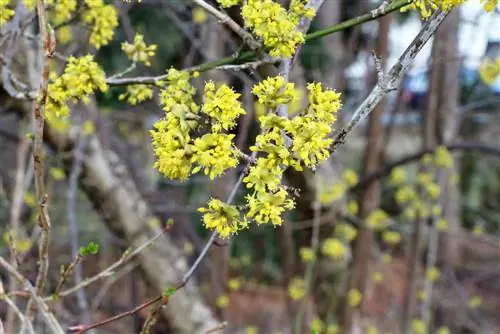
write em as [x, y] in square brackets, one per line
[441, 124]
[370, 196]
[333, 75]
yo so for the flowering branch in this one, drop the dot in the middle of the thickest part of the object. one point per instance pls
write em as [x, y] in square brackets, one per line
[250, 55]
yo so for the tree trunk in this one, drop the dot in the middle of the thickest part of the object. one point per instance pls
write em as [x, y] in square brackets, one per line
[370, 197]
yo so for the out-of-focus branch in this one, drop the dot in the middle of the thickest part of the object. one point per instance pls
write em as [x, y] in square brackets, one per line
[12, 306]
[42, 307]
[38, 156]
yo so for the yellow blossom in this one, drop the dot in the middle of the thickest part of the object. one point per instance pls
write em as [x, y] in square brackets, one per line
[433, 274]
[443, 157]
[57, 173]
[307, 254]
[137, 93]
[222, 301]
[222, 217]
[474, 302]
[350, 177]
[214, 153]
[345, 232]
[443, 330]
[490, 5]
[5, 13]
[317, 325]
[274, 25]
[398, 176]
[228, 3]
[354, 297]
[234, 284]
[199, 15]
[334, 248]
[333, 193]
[222, 106]
[442, 224]
[268, 207]
[103, 20]
[391, 237]
[275, 91]
[352, 207]
[139, 51]
[250, 330]
[296, 289]
[332, 329]
[378, 277]
[419, 326]
[377, 219]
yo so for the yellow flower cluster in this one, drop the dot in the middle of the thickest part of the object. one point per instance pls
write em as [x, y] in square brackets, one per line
[5, 12]
[63, 10]
[139, 51]
[296, 142]
[297, 289]
[103, 20]
[81, 77]
[335, 248]
[136, 94]
[213, 152]
[222, 106]
[489, 70]
[490, 5]
[228, 3]
[427, 7]
[276, 26]
[223, 217]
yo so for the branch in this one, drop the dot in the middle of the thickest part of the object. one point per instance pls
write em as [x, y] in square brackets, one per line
[38, 157]
[250, 55]
[226, 20]
[50, 320]
[127, 255]
[391, 80]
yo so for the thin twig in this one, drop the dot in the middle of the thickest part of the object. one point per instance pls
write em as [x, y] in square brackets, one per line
[228, 21]
[42, 307]
[127, 256]
[38, 157]
[12, 306]
[71, 195]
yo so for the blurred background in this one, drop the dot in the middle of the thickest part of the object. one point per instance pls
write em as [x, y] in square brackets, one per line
[371, 245]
